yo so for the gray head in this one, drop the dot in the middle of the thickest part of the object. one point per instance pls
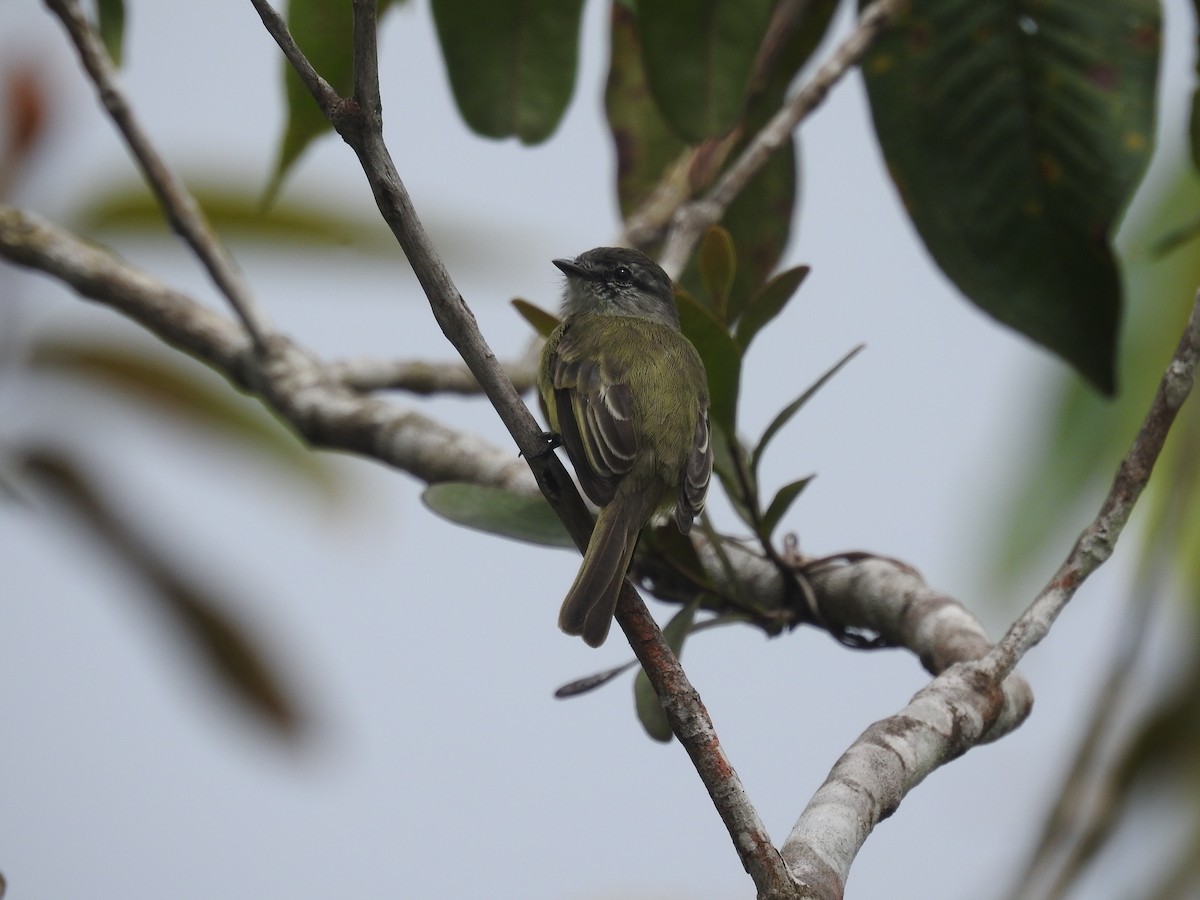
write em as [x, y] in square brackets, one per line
[618, 282]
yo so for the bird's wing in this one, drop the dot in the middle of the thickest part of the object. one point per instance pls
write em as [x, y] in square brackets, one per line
[696, 476]
[594, 407]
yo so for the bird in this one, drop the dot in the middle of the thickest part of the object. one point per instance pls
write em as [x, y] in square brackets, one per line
[627, 395]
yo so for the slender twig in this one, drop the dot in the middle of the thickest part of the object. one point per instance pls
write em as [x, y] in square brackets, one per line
[427, 377]
[1089, 780]
[177, 203]
[692, 219]
[1095, 544]
[962, 706]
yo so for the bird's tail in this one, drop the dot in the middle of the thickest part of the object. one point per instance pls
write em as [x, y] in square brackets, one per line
[592, 599]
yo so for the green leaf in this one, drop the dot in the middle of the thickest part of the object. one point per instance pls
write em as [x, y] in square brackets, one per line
[511, 63]
[792, 408]
[769, 303]
[1016, 133]
[649, 709]
[497, 511]
[743, 497]
[543, 322]
[110, 22]
[231, 654]
[699, 56]
[179, 388]
[323, 29]
[645, 146]
[1081, 437]
[722, 359]
[780, 504]
[718, 264]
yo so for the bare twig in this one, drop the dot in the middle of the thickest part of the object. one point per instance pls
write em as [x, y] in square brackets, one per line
[962, 706]
[692, 219]
[421, 377]
[1095, 544]
[177, 203]
[1074, 818]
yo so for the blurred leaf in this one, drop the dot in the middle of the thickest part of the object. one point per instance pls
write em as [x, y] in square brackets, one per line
[1194, 128]
[164, 385]
[649, 709]
[645, 146]
[1194, 119]
[1176, 237]
[718, 265]
[497, 511]
[1016, 135]
[768, 303]
[722, 360]
[543, 322]
[230, 654]
[131, 207]
[324, 31]
[699, 56]
[792, 408]
[511, 63]
[110, 16]
[781, 503]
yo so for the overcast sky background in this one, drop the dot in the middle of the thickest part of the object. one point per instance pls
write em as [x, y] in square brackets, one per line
[438, 763]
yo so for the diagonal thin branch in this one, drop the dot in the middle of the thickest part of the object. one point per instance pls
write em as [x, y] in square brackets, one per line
[1095, 545]
[692, 219]
[177, 203]
[960, 707]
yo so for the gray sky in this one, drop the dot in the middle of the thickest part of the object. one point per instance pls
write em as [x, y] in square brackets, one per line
[440, 765]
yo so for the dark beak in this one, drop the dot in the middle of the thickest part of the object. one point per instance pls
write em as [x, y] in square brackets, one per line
[571, 269]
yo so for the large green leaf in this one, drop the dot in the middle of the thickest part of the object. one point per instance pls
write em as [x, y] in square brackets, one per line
[645, 146]
[699, 56]
[1016, 131]
[323, 29]
[511, 63]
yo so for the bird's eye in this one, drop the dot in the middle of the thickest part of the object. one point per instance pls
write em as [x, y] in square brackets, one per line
[622, 274]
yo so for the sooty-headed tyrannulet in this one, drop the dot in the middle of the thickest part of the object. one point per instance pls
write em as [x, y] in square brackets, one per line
[627, 394]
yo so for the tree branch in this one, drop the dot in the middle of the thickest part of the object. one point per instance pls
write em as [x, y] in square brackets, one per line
[1096, 543]
[964, 705]
[321, 407]
[421, 377]
[692, 219]
[178, 204]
